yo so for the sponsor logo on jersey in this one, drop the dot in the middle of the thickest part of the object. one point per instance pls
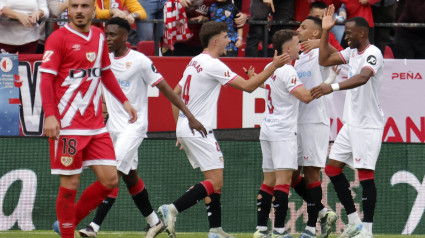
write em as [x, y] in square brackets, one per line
[302, 74]
[357, 159]
[82, 73]
[6, 64]
[91, 56]
[47, 55]
[67, 160]
[371, 60]
[76, 47]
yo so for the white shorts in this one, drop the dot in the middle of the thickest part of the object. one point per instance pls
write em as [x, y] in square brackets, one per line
[313, 142]
[279, 155]
[357, 147]
[126, 145]
[203, 153]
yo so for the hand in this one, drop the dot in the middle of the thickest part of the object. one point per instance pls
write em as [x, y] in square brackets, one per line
[196, 125]
[115, 12]
[51, 127]
[178, 143]
[199, 18]
[327, 21]
[24, 20]
[240, 19]
[131, 111]
[130, 19]
[280, 60]
[185, 3]
[238, 43]
[270, 4]
[363, 2]
[310, 44]
[320, 90]
[250, 72]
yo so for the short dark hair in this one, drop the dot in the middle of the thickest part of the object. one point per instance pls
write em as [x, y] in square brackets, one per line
[359, 21]
[318, 4]
[281, 37]
[122, 23]
[317, 21]
[209, 30]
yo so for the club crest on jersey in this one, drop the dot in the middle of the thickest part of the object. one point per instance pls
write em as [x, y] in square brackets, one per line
[66, 160]
[91, 56]
[128, 65]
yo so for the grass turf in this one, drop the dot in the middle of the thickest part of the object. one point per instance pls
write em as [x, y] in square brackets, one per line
[51, 234]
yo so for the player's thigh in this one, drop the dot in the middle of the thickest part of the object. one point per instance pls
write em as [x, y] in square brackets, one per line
[341, 149]
[284, 154]
[203, 153]
[366, 147]
[126, 146]
[266, 151]
[313, 142]
[99, 151]
[66, 154]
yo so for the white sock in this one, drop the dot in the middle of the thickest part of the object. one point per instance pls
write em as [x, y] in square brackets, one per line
[311, 229]
[261, 228]
[95, 226]
[354, 218]
[368, 226]
[322, 213]
[280, 230]
[152, 219]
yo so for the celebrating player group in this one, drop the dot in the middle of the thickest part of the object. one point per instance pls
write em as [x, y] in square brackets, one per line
[83, 66]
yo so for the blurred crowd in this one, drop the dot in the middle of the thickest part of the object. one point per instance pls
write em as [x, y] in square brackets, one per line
[25, 32]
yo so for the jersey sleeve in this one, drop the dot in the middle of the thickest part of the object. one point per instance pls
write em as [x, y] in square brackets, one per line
[149, 73]
[53, 55]
[345, 55]
[220, 72]
[374, 60]
[290, 79]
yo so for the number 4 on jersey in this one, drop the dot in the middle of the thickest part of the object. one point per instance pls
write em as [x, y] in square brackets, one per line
[186, 88]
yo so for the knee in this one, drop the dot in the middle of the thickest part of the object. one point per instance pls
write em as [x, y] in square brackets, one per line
[110, 182]
[218, 184]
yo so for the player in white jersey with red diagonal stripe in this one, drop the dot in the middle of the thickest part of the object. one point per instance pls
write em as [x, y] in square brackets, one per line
[313, 133]
[135, 73]
[278, 137]
[75, 62]
[359, 140]
[199, 89]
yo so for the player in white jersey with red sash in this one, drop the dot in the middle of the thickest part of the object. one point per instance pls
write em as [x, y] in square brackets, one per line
[135, 73]
[199, 89]
[359, 140]
[313, 133]
[75, 62]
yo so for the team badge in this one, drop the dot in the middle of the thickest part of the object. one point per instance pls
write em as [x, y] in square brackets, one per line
[91, 56]
[371, 60]
[154, 68]
[128, 65]
[6, 64]
[66, 160]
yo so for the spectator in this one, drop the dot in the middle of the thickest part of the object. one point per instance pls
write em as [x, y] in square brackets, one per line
[410, 42]
[225, 11]
[340, 16]
[196, 10]
[115, 8]
[22, 35]
[383, 12]
[302, 9]
[259, 10]
[154, 10]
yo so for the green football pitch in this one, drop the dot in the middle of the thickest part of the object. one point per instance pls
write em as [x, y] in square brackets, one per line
[51, 234]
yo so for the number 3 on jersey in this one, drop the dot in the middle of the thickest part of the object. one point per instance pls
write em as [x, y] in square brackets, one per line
[186, 88]
[269, 99]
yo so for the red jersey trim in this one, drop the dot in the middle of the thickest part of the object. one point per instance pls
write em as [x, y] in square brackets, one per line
[232, 79]
[364, 50]
[49, 71]
[342, 57]
[87, 38]
[296, 87]
[83, 132]
[128, 51]
[157, 82]
[370, 69]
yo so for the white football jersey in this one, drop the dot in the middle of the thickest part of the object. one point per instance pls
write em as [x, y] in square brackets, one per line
[362, 107]
[280, 120]
[201, 85]
[311, 75]
[134, 73]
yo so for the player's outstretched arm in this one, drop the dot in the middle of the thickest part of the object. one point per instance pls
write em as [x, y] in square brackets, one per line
[327, 54]
[353, 82]
[258, 79]
[302, 94]
[178, 104]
